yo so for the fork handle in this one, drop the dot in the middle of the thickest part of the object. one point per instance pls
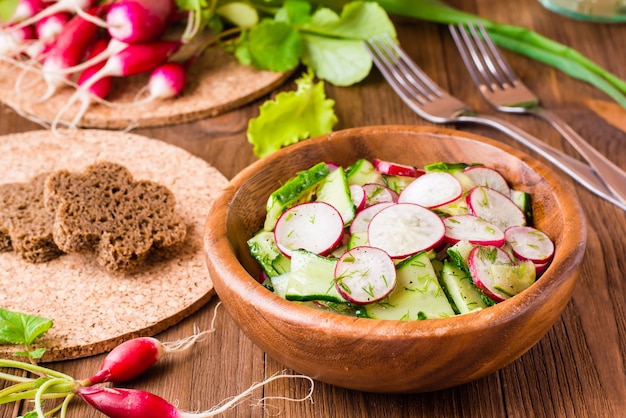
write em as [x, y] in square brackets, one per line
[613, 176]
[579, 171]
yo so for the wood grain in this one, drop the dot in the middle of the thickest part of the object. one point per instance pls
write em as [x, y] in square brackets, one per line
[576, 370]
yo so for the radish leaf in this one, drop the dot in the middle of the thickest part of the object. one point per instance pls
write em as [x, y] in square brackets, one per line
[24, 329]
[7, 8]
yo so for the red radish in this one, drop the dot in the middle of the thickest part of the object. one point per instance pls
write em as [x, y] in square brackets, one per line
[365, 275]
[71, 6]
[132, 60]
[166, 81]
[404, 229]
[139, 21]
[68, 50]
[127, 403]
[496, 275]
[361, 221]
[357, 194]
[15, 42]
[27, 8]
[395, 169]
[377, 193]
[432, 190]
[494, 207]
[485, 176]
[314, 226]
[128, 360]
[472, 229]
[49, 27]
[528, 243]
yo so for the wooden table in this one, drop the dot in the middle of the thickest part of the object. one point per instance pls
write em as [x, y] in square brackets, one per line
[577, 369]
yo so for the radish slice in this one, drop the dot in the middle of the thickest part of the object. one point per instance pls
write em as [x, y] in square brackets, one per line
[494, 207]
[432, 190]
[473, 229]
[377, 193]
[405, 229]
[488, 177]
[496, 275]
[361, 221]
[357, 194]
[528, 243]
[395, 169]
[315, 226]
[365, 275]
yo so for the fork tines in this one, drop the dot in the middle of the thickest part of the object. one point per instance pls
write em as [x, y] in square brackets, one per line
[476, 46]
[403, 75]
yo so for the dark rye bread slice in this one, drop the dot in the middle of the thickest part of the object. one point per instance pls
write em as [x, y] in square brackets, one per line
[103, 210]
[25, 224]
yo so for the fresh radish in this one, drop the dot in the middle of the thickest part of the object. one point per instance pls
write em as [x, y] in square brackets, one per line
[139, 21]
[357, 194]
[26, 9]
[395, 169]
[50, 27]
[15, 42]
[432, 190]
[361, 221]
[127, 403]
[166, 81]
[132, 60]
[314, 226]
[71, 6]
[528, 243]
[377, 193]
[488, 177]
[365, 275]
[404, 229]
[68, 50]
[472, 229]
[128, 360]
[496, 275]
[494, 207]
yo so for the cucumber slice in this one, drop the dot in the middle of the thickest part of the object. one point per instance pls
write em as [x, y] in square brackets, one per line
[264, 250]
[524, 202]
[297, 189]
[460, 288]
[418, 294]
[334, 190]
[312, 277]
[459, 253]
[363, 172]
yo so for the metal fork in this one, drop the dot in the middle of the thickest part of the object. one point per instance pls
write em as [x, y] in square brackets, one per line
[434, 104]
[504, 90]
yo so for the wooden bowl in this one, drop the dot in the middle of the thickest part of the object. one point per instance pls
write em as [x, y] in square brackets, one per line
[382, 355]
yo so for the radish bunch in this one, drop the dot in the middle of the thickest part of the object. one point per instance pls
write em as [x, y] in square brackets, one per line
[85, 44]
[371, 239]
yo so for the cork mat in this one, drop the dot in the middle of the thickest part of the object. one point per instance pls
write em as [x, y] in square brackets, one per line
[93, 310]
[216, 83]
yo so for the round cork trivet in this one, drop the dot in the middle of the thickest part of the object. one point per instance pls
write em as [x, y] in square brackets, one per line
[216, 84]
[93, 310]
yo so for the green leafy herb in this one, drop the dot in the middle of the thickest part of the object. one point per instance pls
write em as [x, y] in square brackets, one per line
[23, 329]
[7, 8]
[292, 116]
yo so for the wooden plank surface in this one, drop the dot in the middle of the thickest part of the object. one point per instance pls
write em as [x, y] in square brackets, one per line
[577, 369]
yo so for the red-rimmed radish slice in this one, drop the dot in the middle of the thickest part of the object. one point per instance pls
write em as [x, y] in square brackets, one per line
[404, 229]
[315, 226]
[395, 169]
[528, 243]
[494, 207]
[377, 193]
[473, 229]
[365, 275]
[541, 268]
[357, 194]
[361, 221]
[488, 177]
[332, 166]
[496, 275]
[432, 189]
